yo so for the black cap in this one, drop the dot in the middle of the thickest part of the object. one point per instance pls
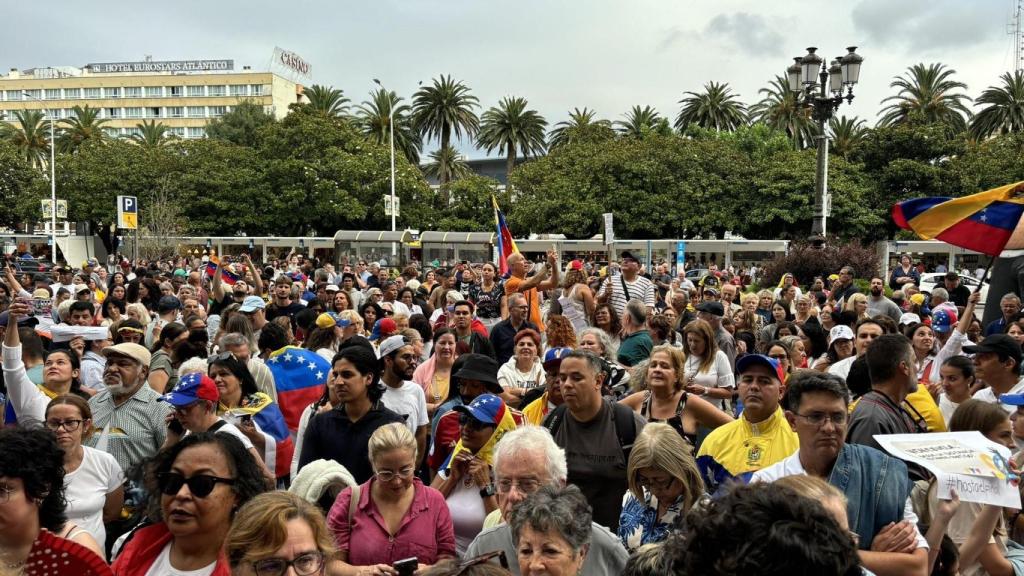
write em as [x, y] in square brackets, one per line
[168, 303]
[1002, 344]
[480, 367]
[627, 255]
[713, 308]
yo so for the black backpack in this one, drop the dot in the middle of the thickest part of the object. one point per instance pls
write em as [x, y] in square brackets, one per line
[622, 416]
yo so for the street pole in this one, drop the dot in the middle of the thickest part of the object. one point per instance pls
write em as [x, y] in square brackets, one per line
[53, 183]
[391, 126]
[821, 178]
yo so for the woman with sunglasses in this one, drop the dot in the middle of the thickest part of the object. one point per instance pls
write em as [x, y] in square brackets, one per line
[93, 480]
[392, 516]
[200, 483]
[466, 478]
[277, 531]
[664, 484]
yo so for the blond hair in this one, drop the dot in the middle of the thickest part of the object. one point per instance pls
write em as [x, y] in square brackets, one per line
[660, 446]
[353, 317]
[676, 358]
[260, 527]
[394, 436]
[812, 487]
[140, 310]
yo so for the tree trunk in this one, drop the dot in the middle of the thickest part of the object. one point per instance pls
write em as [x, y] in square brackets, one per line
[443, 169]
[509, 165]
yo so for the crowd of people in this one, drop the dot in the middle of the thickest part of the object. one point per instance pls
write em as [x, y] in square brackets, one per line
[214, 417]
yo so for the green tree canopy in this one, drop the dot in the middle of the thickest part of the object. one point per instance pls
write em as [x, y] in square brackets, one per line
[511, 126]
[242, 125]
[716, 108]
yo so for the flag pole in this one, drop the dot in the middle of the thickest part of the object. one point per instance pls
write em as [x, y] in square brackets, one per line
[984, 276]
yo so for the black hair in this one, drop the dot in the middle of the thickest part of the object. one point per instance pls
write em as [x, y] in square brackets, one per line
[306, 318]
[421, 324]
[376, 307]
[31, 343]
[796, 536]
[464, 303]
[409, 290]
[885, 354]
[365, 362]
[789, 313]
[239, 370]
[272, 337]
[76, 364]
[168, 332]
[962, 363]
[808, 381]
[79, 306]
[32, 454]
[793, 329]
[858, 380]
[107, 303]
[249, 480]
[816, 335]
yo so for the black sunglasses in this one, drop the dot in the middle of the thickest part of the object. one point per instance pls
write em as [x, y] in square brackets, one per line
[473, 423]
[200, 485]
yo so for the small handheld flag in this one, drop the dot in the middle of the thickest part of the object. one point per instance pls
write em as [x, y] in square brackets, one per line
[226, 275]
[988, 222]
[506, 244]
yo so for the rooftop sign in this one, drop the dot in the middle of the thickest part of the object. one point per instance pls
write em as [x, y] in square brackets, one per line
[163, 66]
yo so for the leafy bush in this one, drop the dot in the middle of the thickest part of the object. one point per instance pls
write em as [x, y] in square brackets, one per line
[806, 261]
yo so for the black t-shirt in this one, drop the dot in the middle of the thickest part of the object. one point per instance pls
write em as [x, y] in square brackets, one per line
[959, 295]
[332, 436]
[274, 310]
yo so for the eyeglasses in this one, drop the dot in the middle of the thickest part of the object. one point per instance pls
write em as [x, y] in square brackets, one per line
[69, 425]
[389, 475]
[200, 485]
[465, 565]
[526, 486]
[818, 418]
[304, 565]
[472, 423]
[653, 484]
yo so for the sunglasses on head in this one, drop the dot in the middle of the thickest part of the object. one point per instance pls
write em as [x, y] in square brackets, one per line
[200, 485]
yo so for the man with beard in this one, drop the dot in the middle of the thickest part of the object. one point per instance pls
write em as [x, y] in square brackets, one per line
[402, 396]
[879, 304]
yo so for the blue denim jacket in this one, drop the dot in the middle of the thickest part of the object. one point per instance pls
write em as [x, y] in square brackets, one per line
[876, 486]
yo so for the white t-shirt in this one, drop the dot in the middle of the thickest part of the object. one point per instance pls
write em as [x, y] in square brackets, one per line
[791, 466]
[408, 401]
[86, 490]
[718, 375]
[987, 395]
[467, 511]
[842, 368]
[162, 566]
[947, 407]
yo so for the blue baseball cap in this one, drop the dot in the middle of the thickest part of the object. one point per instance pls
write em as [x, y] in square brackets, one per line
[555, 355]
[191, 388]
[751, 360]
[486, 408]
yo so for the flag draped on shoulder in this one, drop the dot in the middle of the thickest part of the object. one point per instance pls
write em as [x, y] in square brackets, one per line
[506, 243]
[299, 376]
[988, 222]
[226, 275]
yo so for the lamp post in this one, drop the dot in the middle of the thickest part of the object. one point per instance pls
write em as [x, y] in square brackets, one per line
[810, 72]
[391, 126]
[53, 183]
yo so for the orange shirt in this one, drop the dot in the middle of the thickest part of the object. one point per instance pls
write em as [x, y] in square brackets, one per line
[532, 299]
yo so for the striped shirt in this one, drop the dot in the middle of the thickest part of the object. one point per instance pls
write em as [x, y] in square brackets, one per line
[639, 289]
[137, 427]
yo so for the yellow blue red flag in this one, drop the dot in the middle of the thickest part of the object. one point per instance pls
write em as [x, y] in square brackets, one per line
[988, 222]
[506, 243]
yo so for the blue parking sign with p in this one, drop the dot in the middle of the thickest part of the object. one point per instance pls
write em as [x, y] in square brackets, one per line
[127, 212]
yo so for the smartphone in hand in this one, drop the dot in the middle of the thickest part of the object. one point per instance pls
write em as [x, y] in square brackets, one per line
[406, 567]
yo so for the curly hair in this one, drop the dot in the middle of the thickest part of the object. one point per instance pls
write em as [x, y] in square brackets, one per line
[32, 455]
[553, 508]
[560, 332]
[247, 473]
[614, 325]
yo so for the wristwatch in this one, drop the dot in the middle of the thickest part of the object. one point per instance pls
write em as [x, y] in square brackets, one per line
[487, 491]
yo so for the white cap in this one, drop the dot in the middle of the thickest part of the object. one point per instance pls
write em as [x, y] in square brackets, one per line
[840, 332]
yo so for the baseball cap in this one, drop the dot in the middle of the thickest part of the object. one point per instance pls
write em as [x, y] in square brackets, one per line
[486, 408]
[41, 293]
[750, 360]
[944, 317]
[252, 304]
[1002, 344]
[392, 344]
[840, 332]
[168, 303]
[555, 355]
[191, 388]
[713, 308]
[627, 255]
[383, 328]
[134, 351]
[78, 288]
[908, 318]
[482, 368]
[180, 272]
[332, 288]
[330, 320]
[576, 265]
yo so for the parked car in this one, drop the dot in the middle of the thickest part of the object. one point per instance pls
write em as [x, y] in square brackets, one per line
[930, 280]
[31, 266]
[695, 274]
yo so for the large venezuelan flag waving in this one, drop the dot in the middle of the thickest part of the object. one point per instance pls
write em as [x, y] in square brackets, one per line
[987, 222]
[506, 244]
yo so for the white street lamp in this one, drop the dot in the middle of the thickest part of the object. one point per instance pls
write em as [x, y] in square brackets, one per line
[53, 183]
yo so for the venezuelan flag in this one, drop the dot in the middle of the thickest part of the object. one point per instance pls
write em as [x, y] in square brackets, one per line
[506, 244]
[987, 222]
[266, 416]
[299, 376]
[226, 275]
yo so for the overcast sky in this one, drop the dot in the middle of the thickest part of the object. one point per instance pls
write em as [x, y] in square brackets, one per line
[604, 54]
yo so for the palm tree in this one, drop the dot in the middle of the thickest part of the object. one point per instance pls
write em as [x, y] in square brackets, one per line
[846, 134]
[580, 126]
[152, 134]
[31, 138]
[1004, 112]
[443, 109]
[83, 125]
[509, 126]
[928, 93]
[640, 122]
[326, 100]
[446, 165]
[780, 108]
[716, 108]
[374, 119]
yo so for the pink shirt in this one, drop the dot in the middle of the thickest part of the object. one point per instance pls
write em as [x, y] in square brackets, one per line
[426, 531]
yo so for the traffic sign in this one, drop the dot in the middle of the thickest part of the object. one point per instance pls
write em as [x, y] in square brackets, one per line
[127, 212]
